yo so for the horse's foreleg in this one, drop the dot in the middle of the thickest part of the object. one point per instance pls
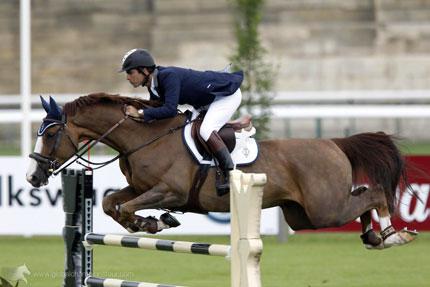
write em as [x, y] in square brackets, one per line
[112, 202]
[159, 196]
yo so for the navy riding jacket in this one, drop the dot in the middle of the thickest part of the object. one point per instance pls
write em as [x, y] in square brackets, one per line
[185, 86]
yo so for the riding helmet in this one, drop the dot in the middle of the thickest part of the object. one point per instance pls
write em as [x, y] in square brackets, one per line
[136, 58]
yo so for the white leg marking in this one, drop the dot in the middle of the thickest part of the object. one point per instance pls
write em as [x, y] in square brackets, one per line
[33, 163]
[161, 225]
[384, 222]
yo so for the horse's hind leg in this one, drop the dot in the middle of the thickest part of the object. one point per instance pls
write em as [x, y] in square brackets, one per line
[370, 238]
[376, 199]
[295, 215]
[390, 236]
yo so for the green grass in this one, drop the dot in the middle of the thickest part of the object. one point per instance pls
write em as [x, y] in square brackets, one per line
[306, 260]
[9, 150]
[419, 148]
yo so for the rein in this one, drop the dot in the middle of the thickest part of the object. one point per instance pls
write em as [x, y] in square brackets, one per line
[169, 131]
[85, 148]
[55, 168]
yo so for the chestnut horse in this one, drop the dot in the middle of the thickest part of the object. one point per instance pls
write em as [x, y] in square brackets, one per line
[311, 180]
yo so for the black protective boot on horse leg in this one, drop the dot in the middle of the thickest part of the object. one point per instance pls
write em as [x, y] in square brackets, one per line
[221, 153]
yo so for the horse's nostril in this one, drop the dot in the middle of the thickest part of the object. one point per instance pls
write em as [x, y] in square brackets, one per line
[34, 179]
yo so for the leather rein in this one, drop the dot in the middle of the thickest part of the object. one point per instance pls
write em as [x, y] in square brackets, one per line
[54, 167]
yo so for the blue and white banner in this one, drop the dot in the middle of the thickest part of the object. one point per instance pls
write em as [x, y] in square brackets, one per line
[25, 210]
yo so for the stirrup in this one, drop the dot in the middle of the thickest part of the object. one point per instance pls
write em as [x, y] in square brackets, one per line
[222, 183]
[222, 189]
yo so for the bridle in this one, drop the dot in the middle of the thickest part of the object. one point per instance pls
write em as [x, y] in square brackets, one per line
[49, 162]
[53, 167]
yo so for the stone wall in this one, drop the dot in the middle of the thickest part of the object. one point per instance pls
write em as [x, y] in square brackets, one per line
[316, 45]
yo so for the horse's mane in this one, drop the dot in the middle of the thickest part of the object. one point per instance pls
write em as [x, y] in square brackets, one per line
[70, 108]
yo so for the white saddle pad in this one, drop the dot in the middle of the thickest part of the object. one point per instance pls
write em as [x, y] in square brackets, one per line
[244, 153]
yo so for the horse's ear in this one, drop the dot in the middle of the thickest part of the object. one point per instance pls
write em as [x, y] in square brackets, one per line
[55, 109]
[45, 105]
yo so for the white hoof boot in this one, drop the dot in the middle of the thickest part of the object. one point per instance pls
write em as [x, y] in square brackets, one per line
[393, 238]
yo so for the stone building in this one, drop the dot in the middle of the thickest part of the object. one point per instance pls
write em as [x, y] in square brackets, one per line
[77, 45]
[317, 45]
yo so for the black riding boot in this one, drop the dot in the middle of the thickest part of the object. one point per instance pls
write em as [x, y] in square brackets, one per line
[221, 153]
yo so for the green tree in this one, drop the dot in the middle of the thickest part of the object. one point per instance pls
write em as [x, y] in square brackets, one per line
[249, 57]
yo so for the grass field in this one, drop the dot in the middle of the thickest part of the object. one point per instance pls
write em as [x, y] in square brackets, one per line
[306, 260]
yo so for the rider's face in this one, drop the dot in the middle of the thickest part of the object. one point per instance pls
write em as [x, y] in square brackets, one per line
[135, 78]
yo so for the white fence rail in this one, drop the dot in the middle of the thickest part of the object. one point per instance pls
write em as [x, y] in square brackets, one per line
[301, 104]
[286, 105]
[282, 98]
[382, 96]
[288, 112]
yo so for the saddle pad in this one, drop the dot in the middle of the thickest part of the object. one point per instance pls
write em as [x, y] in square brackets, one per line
[245, 152]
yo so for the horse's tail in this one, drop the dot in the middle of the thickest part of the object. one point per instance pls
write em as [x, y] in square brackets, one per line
[376, 157]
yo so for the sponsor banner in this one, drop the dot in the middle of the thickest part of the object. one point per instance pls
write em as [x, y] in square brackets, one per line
[25, 210]
[411, 212]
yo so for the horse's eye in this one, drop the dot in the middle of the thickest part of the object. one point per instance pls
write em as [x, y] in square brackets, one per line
[50, 135]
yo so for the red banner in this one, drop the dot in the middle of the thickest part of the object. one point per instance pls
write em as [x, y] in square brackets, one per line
[411, 212]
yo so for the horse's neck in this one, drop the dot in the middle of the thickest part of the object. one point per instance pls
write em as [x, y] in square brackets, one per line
[95, 122]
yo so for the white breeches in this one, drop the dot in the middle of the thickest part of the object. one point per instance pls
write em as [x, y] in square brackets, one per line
[219, 113]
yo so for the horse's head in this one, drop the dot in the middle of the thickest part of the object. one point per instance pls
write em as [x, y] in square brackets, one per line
[54, 145]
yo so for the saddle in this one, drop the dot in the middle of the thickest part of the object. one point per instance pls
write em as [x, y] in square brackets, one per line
[241, 128]
[227, 133]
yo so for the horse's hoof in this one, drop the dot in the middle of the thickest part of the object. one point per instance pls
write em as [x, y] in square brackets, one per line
[169, 220]
[151, 228]
[149, 224]
[372, 241]
[375, 247]
[131, 228]
[401, 237]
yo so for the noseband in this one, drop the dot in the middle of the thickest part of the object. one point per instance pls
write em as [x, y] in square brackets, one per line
[48, 163]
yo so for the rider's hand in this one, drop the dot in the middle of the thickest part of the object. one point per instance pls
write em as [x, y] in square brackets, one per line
[131, 111]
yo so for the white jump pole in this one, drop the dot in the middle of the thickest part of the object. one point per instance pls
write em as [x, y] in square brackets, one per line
[25, 77]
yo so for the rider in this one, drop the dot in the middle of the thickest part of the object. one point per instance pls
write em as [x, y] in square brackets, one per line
[217, 92]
